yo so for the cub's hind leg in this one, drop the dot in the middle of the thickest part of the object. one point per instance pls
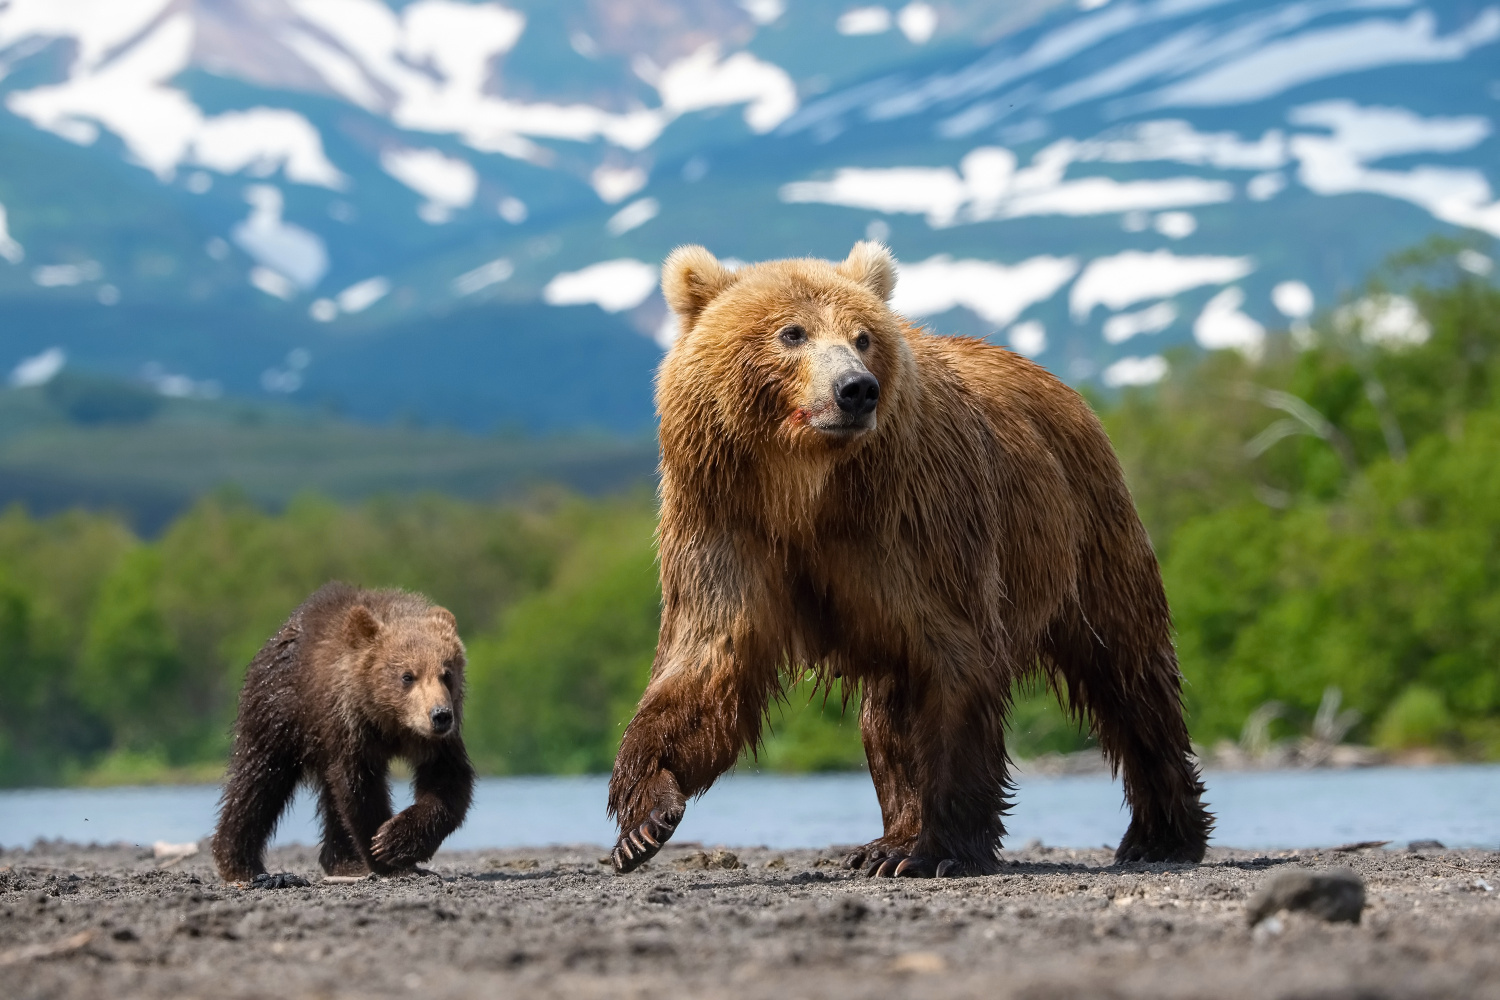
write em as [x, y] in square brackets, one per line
[259, 784]
[338, 853]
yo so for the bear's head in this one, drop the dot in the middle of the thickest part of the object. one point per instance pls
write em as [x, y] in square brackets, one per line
[411, 667]
[794, 354]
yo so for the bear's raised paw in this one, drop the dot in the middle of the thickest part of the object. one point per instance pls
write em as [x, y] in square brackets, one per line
[638, 846]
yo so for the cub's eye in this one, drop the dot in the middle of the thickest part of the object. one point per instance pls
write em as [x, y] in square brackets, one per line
[862, 342]
[408, 678]
[447, 678]
[792, 335]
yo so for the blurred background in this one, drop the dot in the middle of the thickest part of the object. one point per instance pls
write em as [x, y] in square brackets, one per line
[301, 289]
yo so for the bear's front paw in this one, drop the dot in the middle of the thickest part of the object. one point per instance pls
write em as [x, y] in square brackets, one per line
[636, 847]
[899, 864]
[875, 851]
[395, 847]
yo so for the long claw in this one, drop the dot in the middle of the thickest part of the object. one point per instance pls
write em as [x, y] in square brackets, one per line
[872, 868]
[888, 868]
[945, 866]
[906, 863]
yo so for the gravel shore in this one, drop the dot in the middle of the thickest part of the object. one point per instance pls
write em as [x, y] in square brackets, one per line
[111, 922]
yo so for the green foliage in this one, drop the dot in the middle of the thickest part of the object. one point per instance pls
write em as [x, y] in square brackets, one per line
[1417, 718]
[1346, 531]
[1327, 515]
[552, 688]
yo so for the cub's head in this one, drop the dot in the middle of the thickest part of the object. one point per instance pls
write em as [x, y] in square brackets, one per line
[411, 662]
[803, 352]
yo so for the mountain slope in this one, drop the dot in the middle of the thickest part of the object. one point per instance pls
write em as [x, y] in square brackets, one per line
[455, 209]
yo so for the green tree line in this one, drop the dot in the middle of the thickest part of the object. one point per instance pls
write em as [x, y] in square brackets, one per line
[1327, 515]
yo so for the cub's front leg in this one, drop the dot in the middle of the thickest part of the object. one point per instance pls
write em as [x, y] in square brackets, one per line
[444, 788]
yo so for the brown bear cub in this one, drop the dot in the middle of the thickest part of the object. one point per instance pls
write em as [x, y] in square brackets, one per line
[930, 518]
[354, 678]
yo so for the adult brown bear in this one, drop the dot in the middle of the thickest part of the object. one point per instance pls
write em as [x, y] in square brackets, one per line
[932, 518]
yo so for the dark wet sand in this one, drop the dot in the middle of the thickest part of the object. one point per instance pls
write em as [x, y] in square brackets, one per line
[109, 923]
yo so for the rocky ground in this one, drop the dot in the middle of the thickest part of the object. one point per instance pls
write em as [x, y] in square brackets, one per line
[112, 922]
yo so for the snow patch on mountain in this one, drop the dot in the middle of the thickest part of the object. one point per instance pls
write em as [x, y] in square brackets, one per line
[987, 187]
[10, 250]
[129, 95]
[702, 80]
[1135, 371]
[997, 293]
[1337, 163]
[448, 183]
[288, 251]
[612, 285]
[1279, 66]
[1124, 279]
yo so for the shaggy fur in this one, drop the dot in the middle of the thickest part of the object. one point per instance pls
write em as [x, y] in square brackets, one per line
[354, 678]
[972, 530]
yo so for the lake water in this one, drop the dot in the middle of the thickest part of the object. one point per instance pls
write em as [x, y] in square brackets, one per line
[1458, 805]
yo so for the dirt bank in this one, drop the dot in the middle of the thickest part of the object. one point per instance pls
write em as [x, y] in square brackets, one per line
[109, 923]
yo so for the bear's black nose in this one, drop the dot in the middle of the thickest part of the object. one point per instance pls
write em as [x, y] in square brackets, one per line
[442, 720]
[856, 392]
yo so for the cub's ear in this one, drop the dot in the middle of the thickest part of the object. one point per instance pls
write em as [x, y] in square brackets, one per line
[360, 626]
[444, 618]
[872, 265]
[691, 278]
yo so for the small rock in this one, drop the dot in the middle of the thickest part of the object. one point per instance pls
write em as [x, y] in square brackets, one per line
[1334, 895]
[720, 858]
[1480, 885]
[776, 862]
[281, 880]
[1425, 845]
[919, 962]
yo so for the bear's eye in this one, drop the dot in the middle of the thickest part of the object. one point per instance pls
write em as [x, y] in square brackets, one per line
[408, 678]
[446, 678]
[792, 335]
[862, 342]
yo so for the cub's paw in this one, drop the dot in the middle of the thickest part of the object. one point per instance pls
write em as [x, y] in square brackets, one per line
[902, 865]
[395, 847]
[636, 847]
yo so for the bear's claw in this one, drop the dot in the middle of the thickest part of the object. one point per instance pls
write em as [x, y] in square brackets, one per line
[897, 865]
[636, 847]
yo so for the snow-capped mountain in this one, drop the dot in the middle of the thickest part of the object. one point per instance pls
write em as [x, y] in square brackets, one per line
[456, 210]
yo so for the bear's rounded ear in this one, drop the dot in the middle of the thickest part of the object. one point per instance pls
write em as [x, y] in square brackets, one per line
[691, 278]
[444, 618]
[360, 626]
[872, 265]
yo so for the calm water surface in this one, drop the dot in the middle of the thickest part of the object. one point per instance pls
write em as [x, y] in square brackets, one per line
[1458, 805]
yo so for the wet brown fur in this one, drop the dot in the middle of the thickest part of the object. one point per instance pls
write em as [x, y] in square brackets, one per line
[981, 533]
[326, 701]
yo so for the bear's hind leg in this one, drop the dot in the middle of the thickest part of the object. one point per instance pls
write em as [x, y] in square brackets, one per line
[257, 788]
[884, 723]
[1133, 700]
[338, 854]
[356, 787]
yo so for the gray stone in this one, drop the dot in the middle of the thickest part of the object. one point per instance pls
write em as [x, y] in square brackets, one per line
[1337, 894]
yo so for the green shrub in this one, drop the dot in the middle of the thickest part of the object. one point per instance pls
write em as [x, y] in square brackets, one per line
[1417, 718]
